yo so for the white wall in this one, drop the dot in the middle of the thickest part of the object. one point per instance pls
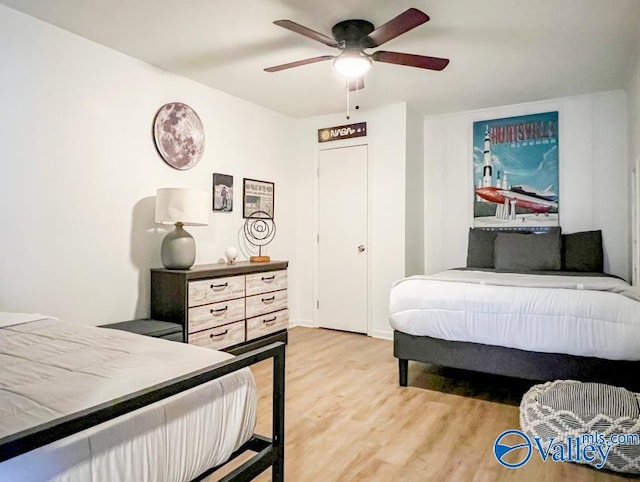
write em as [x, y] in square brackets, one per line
[593, 176]
[80, 173]
[633, 91]
[386, 140]
[414, 194]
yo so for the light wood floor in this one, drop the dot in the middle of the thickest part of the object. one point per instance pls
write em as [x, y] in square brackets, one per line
[348, 420]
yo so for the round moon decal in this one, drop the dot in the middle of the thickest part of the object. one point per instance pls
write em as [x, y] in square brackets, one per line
[179, 135]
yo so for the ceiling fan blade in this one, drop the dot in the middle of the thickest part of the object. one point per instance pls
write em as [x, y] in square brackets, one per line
[298, 63]
[307, 32]
[411, 60]
[404, 22]
[355, 84]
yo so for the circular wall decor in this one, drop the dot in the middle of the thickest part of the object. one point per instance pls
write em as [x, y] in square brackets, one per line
[179, 135]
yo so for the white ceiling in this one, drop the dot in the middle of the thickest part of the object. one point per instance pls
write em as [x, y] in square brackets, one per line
[501, 51]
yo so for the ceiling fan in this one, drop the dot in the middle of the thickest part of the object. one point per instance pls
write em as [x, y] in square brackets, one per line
[352, 37]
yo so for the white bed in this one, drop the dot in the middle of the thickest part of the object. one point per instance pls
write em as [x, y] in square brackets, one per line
[576, 315]
[532, 305]
[52, 368]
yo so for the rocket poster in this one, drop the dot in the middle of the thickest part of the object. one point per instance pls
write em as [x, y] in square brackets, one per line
[515, 172]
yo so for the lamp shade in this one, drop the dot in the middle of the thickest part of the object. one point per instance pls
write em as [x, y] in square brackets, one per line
[352, 64]
[180, 205]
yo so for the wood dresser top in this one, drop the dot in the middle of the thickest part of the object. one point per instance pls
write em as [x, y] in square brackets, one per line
[222, 269]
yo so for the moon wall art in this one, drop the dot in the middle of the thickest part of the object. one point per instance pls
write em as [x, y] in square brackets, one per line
[179, 135]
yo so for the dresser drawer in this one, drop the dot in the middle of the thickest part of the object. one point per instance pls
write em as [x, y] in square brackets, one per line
[220, 337]
[215, 289]
[265, 282]
[215, 314]
[265, 324]
[266, 303]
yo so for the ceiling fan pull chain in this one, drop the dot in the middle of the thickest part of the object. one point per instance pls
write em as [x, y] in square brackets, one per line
[347, 84]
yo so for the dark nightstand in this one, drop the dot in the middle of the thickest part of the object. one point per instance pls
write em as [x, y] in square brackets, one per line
[155, 328]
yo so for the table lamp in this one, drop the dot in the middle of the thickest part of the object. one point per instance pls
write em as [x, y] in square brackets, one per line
[181, 207]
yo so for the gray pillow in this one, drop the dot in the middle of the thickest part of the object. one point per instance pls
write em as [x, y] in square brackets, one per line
[583, 251]
[480, 248]
[527, 252]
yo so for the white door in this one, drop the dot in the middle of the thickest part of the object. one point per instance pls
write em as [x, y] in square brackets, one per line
[342, 239]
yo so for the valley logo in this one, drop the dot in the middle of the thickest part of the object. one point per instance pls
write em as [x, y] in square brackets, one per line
[501, 449]
[513, 448]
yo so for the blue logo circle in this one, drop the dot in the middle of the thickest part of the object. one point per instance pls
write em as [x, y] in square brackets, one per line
[500, 449]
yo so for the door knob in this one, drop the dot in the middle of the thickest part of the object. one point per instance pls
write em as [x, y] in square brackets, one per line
[361, 248]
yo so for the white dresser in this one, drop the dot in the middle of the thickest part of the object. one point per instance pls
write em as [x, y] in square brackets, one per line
[222, 306]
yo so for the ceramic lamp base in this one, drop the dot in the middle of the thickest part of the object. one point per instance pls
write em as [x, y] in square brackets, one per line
[178, 250]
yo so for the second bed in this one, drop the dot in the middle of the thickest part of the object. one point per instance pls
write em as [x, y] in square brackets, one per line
[545, 323]
[52, 370]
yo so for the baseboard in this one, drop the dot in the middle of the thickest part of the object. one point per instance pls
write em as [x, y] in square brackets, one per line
[303, 323]
[382, 334]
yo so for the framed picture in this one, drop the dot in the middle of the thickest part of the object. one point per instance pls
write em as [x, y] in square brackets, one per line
[515, 172]
[222, 192]
[257, 196]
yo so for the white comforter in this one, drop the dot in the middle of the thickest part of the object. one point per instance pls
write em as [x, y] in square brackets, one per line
[51, 368]
[587, 316]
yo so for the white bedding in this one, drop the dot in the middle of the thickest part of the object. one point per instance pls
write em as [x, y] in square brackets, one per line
[586, 316]
[51, 368]
[10, 319]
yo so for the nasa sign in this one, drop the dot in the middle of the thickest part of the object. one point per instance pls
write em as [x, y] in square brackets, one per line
[342, 132]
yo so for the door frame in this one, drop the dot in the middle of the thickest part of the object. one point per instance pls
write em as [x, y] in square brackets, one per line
[316, 222]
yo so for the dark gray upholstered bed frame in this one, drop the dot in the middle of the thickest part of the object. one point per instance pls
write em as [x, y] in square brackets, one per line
[499, 360]
[269, 451]
[575, 254]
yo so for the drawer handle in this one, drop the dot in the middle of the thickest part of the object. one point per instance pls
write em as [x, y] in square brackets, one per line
[268, 300]
[219, 335]
[268, 278]
[270, 320]
[219, 311]
[214, 287]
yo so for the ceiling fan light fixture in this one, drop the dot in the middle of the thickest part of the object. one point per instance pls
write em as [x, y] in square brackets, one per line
[352, 64]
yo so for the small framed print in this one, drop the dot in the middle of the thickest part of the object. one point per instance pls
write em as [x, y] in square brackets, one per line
[222, 192]
[257, 196]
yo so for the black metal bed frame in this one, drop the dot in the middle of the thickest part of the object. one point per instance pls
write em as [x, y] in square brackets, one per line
[511, 362]
[270, 452]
